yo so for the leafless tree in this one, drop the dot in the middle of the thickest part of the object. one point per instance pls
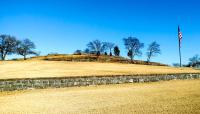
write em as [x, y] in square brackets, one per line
[133, 45]
[8, 45]
[96, 46]
[110, 46]
[78, 52]
[26, 48]
[153, 50]
[194, 61]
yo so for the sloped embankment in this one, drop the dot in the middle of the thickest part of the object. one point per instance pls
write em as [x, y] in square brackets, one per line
[92, 58]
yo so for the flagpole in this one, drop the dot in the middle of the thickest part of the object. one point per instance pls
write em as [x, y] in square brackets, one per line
[180, 52]
[179, 39]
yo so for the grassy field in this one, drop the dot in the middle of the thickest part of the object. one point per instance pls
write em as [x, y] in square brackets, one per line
[91, 58]
[40, 68]
[169, 97]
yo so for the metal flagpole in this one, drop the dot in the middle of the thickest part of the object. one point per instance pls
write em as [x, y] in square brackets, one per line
[179, 39]
[180, 52]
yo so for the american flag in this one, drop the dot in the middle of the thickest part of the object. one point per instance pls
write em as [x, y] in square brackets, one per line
[179, 36]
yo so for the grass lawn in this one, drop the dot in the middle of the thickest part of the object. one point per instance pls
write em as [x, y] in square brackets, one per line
[169, 97]
[40, 68]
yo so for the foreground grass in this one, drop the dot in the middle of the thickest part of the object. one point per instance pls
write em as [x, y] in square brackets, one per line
[39, 68]
[181, 96]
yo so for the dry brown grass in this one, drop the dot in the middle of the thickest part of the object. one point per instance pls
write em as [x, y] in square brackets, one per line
[170, 97]
[38, 68]
[91, 58]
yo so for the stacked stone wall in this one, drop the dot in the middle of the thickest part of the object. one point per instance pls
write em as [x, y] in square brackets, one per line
[60, 82]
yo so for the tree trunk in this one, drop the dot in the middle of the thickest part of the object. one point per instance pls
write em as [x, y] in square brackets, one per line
[24, 57]
[131, 58]
[110, 53]
[2, 58]
[98, 54]
[2, 55]
[148, 60]
[149, 57]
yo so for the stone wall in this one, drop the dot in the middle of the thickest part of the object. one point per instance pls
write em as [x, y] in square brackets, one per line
[30, 83]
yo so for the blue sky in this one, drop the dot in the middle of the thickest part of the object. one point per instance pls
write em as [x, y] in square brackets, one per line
[66, 25]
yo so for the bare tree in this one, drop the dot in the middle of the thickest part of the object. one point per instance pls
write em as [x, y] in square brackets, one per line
[133, 46]
[130, 54]
[153, 50]
[97, 46]
[110, 46]
[8, 45]
[78, 52]
[194, 61]
[26, 48]
[87, 51]
[176, 64]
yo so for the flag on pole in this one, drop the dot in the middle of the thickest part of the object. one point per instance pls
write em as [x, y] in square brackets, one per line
[179, 36]
[179, 39]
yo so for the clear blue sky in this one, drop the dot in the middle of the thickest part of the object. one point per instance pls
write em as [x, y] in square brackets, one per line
[66, 25]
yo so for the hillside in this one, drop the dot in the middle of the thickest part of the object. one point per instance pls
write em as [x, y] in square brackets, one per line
[91, 58]
[40, 68]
